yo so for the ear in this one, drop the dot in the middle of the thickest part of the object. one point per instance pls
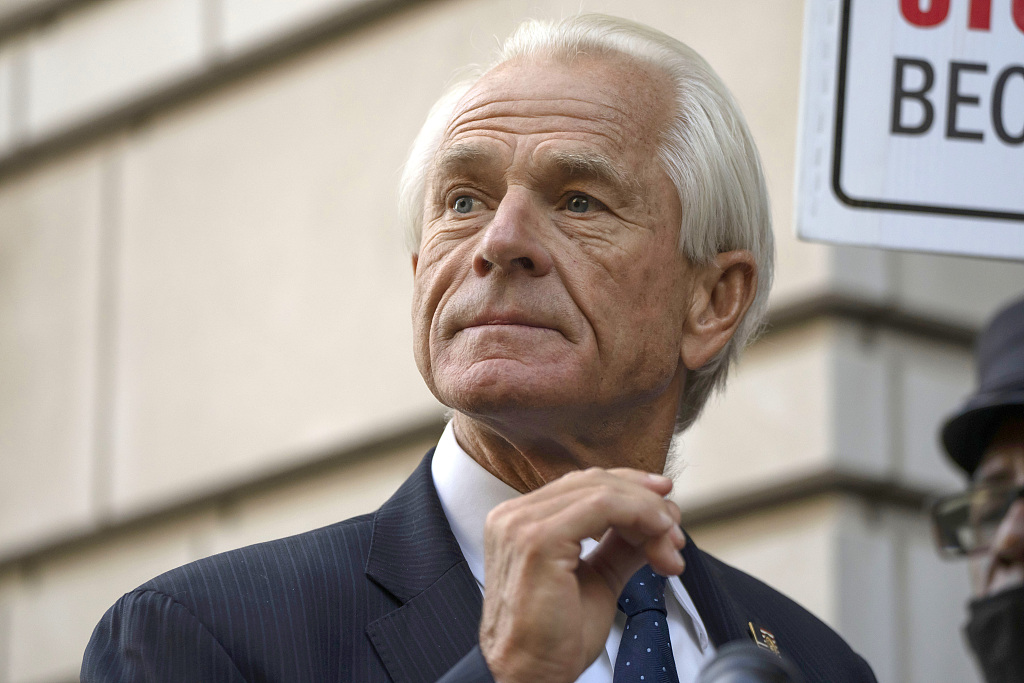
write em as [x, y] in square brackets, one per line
[415, 260]
[722, 292]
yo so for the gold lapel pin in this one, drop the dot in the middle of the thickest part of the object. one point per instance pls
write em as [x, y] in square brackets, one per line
[764, 638]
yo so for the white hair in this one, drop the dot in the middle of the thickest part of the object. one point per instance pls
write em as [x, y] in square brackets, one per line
[707, 151]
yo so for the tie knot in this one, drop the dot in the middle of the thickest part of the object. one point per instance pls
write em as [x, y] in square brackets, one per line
[644, 591]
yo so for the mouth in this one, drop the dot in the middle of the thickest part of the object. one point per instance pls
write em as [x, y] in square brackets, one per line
[504, 323]
[487, 319]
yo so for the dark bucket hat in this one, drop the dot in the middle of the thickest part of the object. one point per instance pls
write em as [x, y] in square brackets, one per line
[1000, 357]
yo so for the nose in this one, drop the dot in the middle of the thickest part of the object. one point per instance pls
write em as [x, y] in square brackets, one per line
[512, 242]
[1009, 542]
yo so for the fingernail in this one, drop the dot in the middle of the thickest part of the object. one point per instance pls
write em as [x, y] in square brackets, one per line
[677, 536]
[658, 478]
[666, 521]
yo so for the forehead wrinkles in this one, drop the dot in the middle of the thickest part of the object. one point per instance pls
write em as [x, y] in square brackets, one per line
[572, 117]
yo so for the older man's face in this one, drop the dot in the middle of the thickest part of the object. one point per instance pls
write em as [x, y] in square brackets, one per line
[1002, 565]
[549, 274]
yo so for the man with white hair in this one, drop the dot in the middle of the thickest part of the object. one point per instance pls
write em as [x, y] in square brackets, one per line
[591, 247]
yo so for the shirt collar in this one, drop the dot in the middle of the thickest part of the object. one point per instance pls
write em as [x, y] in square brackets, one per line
[468, 493]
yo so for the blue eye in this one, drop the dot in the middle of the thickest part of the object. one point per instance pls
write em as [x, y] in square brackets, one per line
[463, 204]
[578, 203]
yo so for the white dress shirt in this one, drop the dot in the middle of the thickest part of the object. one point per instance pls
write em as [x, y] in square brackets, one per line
[468, 492]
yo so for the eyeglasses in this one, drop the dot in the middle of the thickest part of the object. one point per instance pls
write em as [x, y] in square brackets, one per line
[966, 523]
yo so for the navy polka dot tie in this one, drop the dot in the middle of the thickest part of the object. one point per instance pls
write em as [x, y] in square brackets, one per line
[645, 653]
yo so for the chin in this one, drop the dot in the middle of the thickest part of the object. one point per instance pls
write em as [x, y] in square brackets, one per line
[503, 387]
[1005, 580]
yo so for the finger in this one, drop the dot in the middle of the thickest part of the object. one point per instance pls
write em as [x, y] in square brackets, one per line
[615, 560]
[663, 554]
[594, 476]
[588, 506]
[637, 514]
[556, 496]
[675, 512]
[658, 483]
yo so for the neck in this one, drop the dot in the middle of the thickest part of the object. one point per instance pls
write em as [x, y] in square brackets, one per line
[528, 451]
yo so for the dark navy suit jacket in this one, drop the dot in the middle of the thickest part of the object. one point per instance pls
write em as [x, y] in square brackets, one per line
[383, 597]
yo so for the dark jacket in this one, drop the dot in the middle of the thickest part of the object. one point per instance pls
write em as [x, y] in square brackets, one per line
[384, 597]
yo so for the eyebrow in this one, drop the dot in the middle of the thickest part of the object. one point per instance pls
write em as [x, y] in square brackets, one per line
[588, 164]
[458, 158]
[599, 168]
[462, 158]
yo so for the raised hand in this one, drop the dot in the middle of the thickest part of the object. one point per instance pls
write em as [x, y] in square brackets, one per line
[547, 613]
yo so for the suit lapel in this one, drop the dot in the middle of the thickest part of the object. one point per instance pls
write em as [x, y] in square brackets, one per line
[414, 556]
[716, 609]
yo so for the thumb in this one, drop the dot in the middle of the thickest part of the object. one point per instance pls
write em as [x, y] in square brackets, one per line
[616, 560]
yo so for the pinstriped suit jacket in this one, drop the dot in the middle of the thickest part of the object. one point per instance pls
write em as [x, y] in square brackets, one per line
[382, 597]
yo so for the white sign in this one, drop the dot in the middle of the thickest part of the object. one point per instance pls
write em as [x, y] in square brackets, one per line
[912, 125]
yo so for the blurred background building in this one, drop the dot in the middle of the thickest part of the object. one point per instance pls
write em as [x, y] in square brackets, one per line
[204, 326]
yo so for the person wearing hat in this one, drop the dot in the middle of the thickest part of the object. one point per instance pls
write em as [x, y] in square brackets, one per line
[985, 523]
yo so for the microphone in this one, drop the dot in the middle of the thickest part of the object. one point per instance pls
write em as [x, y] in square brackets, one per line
[740, 662]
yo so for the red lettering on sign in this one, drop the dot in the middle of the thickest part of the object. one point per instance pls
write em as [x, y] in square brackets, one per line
[936, 14]
[981, 15]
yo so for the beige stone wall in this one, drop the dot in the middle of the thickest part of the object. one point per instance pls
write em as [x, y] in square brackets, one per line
[204, 336]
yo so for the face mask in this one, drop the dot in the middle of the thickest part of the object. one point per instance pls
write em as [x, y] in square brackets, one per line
[995, 631]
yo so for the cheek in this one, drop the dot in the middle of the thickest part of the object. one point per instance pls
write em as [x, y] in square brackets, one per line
[656, 307]
[634, 281]
[657, 291]
[637, 318]
[429, 292]
[438, 275]
[427, 285]
[421, 315]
